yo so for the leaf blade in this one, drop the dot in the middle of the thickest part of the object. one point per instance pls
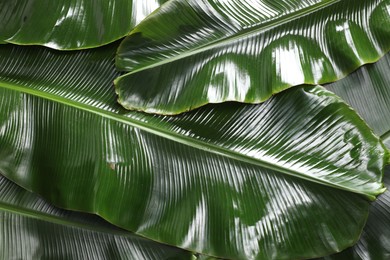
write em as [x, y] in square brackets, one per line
[253, 66]
[70, 25]
[191, 197]
[31, 227]
[369, 96]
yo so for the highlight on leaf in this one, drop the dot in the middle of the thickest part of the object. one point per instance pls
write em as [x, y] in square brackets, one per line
[298, 176]
[70, 24]
[204, 177]
[191, 53]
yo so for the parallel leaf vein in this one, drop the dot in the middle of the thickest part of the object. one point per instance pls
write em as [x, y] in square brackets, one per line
[192, 142]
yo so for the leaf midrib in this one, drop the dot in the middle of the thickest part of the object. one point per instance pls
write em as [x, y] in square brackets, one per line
[30, 213]
[385, 135]
[185, 140]
[263, 26]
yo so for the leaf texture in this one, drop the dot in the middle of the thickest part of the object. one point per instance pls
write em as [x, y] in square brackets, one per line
[31, 228]
[368, 91]
[374, 242]
[70, 24]
[279, 180]
[190, 53]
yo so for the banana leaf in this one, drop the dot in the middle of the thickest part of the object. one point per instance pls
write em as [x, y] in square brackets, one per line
[71, 24]
[190, 53]
[375, 240]
[31, 228]
[288, 178]
[368, 91]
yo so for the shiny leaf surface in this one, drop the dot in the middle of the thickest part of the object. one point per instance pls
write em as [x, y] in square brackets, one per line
[368, 91]
[190, 53]
[70, 24]
[375, 240]
[281, 180]
[31, 228]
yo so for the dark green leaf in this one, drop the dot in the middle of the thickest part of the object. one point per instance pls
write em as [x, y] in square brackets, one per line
[368, 91]
[190, 53]
[280, 180]
[70, 24]
[31, 228]
[375, 240]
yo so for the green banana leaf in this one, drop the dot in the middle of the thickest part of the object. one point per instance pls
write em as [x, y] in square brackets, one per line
[190, 53]
[285, 179]
[368, 91]
[374, 242]
[31, 228]
[71, 24]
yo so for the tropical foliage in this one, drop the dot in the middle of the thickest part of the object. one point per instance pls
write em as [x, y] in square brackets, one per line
[294, 174]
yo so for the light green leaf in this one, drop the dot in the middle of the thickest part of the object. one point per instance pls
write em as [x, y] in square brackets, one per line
[71, 24]
[283, 179]
[31, 228]
[189, 52]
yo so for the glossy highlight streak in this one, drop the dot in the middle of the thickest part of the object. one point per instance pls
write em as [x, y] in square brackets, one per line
[70, 24]
[186, 60]
[31, 227]
[217, 180]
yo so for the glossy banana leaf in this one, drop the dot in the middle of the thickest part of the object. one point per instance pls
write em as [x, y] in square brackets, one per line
[71, 24]
[375, 240]
[190, 53]
[31, 228]
[285, 179]
[368, 91]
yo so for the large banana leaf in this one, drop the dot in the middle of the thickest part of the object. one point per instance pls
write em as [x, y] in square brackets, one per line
[284, 179]
[192, 52]
[374, 243]
[31, 228]
[71, 24]
[368, 91]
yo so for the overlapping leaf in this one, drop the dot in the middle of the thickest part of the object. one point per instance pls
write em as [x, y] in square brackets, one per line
[368, 91]
[31, 228]
[374, 241]
[70, 24]
[189, 53]
[282, 179]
